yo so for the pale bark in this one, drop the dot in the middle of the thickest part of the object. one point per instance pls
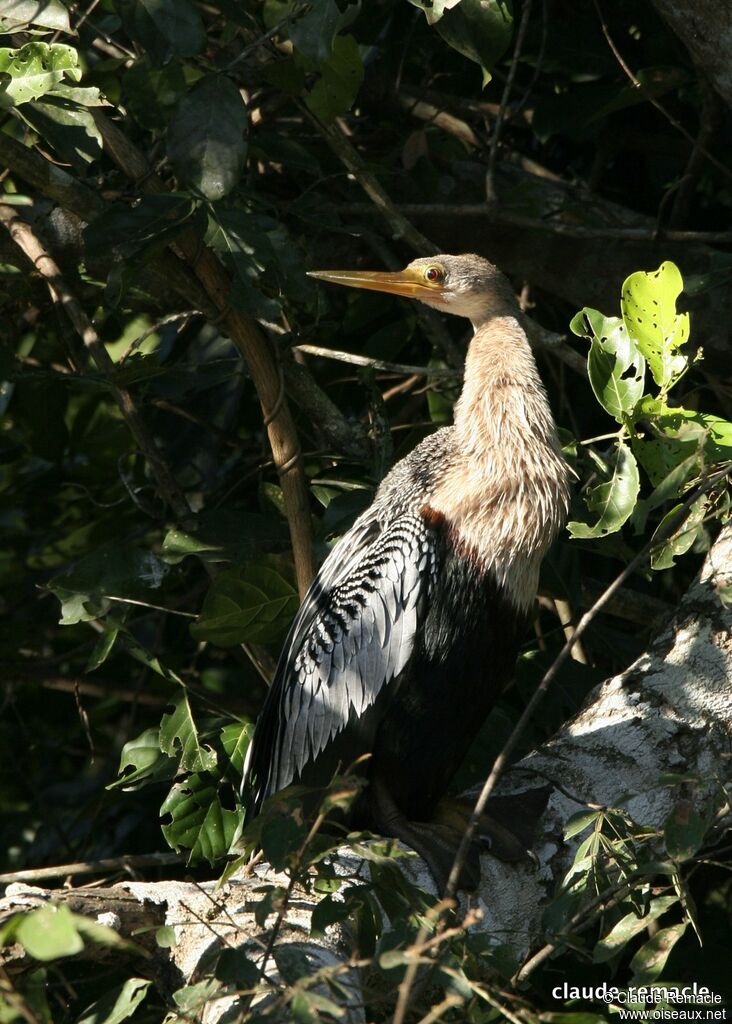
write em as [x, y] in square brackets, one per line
[670, 711]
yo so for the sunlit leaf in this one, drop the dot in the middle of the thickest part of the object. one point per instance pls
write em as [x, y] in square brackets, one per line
[34, 69]
[179, 737]
[117, 1005]
[614, 499]
[665, 553]
[142, 760]
[649, 310]
[18, 14]
[614, 365]
[650, 960]
[194, 819]
[49, 933]
[628, 926]
[480, 30]
[434, 9]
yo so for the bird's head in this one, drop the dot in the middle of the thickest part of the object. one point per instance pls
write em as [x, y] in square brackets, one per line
[465, 285]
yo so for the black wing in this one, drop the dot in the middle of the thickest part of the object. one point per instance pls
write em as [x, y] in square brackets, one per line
[354, 634]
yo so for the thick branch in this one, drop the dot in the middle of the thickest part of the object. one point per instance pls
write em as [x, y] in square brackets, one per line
[252, 344]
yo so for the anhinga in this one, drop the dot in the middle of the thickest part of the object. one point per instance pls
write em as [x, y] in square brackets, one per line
[411, 629]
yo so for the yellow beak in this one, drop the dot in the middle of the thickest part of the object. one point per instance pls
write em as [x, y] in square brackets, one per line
[409, 282]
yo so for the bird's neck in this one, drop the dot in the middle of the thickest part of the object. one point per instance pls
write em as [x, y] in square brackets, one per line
[505, 494]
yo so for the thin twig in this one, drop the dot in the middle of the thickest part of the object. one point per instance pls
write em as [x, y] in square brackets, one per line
[379, 364]
[490, 190]
[267, 377]
[502, 215]
[94, 867]
[637, 84]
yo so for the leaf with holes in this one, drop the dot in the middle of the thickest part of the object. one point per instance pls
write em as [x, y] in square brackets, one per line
[649, 311]
[613, 500]
[34, 69]
[142, 761]
[179, 738]
[193, 818]
[614, 365]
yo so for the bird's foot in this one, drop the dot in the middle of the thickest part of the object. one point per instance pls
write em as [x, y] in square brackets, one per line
[436, 843]
[506, 827]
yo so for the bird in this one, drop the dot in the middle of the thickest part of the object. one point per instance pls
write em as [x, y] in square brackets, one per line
[411, 629]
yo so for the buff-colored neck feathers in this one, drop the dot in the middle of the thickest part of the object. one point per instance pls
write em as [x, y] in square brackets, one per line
[506, 496]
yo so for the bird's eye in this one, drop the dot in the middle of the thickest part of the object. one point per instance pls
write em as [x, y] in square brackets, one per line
[433, 274]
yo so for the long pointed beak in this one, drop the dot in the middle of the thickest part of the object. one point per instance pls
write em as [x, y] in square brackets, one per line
[407, 282]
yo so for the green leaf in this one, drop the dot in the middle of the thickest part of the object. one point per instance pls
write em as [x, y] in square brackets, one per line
[664, 556]
[281, 838]
[250, 604]
[579, 822]
[64, 120]
[206, 138]
[248, 252]
[480, 30]
[113, 570]
[671, 486]
[649, 310]
[192, 999]
[18, 14]
[226, 535]
[197, 820]
[34, 69]
[143, 761]
[124, 231]
[169, 27]
[49, 933]
[117, 1005]
[314, 33]
[630, 925]
[614, 365]
[341, 76]
[103, 647]
[434, 9]
[235, 739]
[684, 831]
[613, 501]
[150, 93]
[179, 738]
[650, 960]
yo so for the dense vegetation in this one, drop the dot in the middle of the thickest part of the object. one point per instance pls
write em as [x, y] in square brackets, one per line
[183, 164]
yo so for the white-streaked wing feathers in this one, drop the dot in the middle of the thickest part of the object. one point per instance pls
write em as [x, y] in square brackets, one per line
[353, 635]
